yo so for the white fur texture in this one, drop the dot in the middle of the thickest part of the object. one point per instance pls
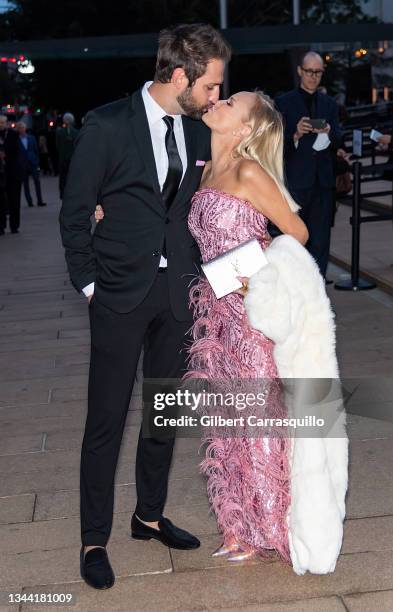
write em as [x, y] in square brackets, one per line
[287, 302]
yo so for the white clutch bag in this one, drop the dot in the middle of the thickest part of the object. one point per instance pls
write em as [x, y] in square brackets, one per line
[243, 260]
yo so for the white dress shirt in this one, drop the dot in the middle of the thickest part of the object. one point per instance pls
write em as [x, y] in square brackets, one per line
[158, 129]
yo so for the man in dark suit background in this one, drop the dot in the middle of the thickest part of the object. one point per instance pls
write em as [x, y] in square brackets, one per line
[9, 142]
[142, 159]
[308, 154]
[30, 161]
[65, 142]
[3, 193]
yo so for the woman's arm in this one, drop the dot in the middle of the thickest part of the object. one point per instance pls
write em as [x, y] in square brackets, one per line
[263, 193]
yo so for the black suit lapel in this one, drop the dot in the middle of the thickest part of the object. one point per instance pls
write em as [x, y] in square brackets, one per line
[318, 106]
[303, 111]
[321, 105]
[301, 104]
[140, 127]
[189, 137]
[141, 132]
[191, 148]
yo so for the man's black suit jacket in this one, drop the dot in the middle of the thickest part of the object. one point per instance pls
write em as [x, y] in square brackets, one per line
[303, 165]
[113, 164]
[13, 155]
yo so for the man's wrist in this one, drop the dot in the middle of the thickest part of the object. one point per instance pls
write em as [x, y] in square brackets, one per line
[88, 290]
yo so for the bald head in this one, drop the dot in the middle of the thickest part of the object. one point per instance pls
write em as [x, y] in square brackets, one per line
[311, 56]
[21, 128]
[310, 71]
[68, 119]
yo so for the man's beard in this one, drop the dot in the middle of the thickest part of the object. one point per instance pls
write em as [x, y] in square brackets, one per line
[189, 105]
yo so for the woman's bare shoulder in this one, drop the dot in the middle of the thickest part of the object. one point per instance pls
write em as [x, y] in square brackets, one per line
[251, 170]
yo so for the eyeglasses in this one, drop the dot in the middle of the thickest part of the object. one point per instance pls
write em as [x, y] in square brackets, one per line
[310, 72]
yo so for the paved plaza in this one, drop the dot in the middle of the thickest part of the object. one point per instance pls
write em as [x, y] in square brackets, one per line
[44, 355]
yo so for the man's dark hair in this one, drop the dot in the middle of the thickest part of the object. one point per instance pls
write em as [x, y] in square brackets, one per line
[191, 47]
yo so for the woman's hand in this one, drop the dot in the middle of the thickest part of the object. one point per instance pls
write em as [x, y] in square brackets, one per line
[385, 139]
[99, 213]
[343, 154]
[244, 280]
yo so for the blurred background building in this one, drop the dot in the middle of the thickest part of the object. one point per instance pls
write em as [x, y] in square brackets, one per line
[77, 54]
[381, 9]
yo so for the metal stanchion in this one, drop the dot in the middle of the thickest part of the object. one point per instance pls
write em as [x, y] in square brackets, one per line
[355, 283]
[373, 145]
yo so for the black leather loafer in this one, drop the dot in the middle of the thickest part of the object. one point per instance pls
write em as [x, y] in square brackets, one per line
[168, 534]
[96, 570]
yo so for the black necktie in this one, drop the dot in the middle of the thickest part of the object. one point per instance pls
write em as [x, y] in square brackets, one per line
[175, 167]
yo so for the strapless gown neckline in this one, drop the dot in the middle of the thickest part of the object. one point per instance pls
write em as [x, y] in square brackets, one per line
[226, 194]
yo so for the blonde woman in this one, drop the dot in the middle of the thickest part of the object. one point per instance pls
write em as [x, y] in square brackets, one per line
[242, 189]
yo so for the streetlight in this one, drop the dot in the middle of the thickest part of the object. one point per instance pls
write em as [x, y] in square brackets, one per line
[296, 12]
[223, 26]
[223, 14]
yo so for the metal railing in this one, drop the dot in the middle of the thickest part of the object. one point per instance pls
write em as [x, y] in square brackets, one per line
[360, 175]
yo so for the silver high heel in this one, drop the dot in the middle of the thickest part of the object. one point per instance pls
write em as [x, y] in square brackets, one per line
[226, 549]
[243, 555]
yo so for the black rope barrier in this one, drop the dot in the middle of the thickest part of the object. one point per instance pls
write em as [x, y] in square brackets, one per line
[355, 283]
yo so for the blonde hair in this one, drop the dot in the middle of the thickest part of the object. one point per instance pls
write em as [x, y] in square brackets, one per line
[265, 143]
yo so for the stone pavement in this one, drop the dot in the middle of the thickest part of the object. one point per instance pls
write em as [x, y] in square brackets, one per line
[44, 354]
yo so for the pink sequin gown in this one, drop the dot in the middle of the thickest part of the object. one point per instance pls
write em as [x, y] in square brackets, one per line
[248, 478]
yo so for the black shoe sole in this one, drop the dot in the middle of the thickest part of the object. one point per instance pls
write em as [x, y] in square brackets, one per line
[162, 540]
[93, 586]
[140, 537]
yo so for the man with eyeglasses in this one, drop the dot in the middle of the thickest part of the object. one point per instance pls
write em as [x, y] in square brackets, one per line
[308, 153]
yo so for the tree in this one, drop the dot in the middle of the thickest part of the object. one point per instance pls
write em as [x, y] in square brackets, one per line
[39, 19]
[335, 11]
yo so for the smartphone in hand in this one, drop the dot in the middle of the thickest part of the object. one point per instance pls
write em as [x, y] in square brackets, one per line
[375, 135]
[317, 124]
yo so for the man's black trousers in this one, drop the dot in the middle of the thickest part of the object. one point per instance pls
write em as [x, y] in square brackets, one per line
[14, 190]
[317, 214]
[116, 343]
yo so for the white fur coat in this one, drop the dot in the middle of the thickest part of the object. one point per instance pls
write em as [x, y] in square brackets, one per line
[287, 302]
